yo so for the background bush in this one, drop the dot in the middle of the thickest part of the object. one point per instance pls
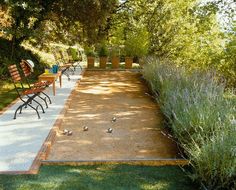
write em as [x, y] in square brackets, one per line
[19, 54]
[200, 117]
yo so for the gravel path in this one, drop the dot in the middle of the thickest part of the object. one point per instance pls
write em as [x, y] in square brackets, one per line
[136, 134]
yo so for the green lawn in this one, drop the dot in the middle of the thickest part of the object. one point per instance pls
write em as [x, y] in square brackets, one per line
[7, 93]
[104, 177]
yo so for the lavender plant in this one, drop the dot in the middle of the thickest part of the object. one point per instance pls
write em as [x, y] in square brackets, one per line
[200, 117]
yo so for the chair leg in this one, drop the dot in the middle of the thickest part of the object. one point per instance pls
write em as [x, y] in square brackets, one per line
[27, 103]
[31, 98]
[65, 73]
[50, 102]
[43, 100]
[75, 65]
[20, 107]
[72, 71]
[80, 67]
[39, 104]
[36, 109]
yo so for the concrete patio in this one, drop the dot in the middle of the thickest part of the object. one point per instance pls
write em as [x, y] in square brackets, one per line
[22, 138]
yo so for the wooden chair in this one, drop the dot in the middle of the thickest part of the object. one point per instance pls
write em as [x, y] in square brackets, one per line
[63, 67]
[75, 62]
[29, 94]
[26, 68]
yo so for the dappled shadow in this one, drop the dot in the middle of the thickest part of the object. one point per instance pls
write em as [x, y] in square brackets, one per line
[136, 133]
[105, 177]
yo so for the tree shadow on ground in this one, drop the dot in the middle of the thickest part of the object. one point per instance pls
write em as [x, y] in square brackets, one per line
[103, 177]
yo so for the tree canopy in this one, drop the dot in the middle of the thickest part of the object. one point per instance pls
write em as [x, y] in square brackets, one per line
[197, 34]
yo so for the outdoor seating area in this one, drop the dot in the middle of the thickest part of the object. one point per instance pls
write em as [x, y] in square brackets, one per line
[32, 132]
[65, 62]
[22, 92]
[22, 138]
[118, 94]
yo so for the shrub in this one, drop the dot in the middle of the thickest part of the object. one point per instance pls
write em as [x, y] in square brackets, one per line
[137, 43]
[89, 51]
[200, 117]
[214, 162]
[114, 52]
[74, 54]
[19, 53]
[103, 51]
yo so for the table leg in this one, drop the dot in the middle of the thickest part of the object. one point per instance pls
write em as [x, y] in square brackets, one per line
[60, 80]
[54, 88]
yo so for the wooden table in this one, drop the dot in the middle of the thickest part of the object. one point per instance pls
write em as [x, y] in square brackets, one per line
[51, 77]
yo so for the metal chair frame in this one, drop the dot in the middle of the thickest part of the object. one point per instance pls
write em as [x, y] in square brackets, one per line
[76, 63]
[27, 72]
[31, 94]
[64, 68]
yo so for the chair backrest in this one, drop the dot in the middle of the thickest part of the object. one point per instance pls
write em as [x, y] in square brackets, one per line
[25, 68]
[56, 55]
[15, 75]
[69, 54]
[64, 56]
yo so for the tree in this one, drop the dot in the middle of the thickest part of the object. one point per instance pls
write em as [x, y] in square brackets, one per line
[26, 16]
[189, 33]
[91, 16]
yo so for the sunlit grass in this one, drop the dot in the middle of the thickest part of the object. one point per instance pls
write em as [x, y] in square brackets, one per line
[101, 177]
[7, 93]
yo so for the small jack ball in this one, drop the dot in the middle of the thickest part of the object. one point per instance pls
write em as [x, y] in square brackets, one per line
[113, 119]
[85, 128]
[109, 130]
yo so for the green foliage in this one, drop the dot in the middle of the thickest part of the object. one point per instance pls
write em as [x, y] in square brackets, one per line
[74, 53]
[89, 51]
[136, 43]
[20, 53]
[103, 51]
[200, 117]
[115, 51]
[91, 17]
[214, 162]
[227, 60]
[187, 32]
[26, 17]
[39, 20]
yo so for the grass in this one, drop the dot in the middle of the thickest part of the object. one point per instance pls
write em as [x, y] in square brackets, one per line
[7, 93]
[105, 177]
